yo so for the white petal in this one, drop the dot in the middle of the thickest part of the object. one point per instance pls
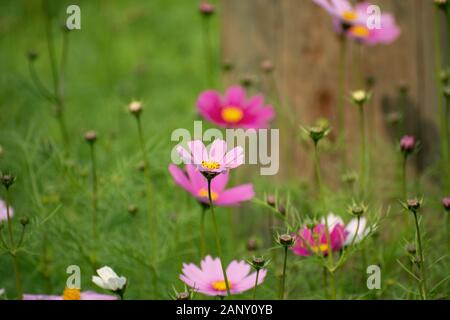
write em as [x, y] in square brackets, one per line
[106, 273]
[99, 282]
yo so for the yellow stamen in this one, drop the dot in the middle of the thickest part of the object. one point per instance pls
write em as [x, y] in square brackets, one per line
[322, 248]
[232, 114]
[349, 15]
[204, 194]
[210, 165]
[359, 31]
[71, 294]
[220, 285]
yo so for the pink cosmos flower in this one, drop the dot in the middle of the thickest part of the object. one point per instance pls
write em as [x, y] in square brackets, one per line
[407, 144]
[314, 241]
[218, 160]
[234, 110]
[352, 21]
[3, 212]
[70, 294]
[208, 279]
[197, 185]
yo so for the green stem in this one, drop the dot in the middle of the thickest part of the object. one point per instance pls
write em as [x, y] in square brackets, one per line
[94, 200]
[446, 142]
[363, 155]
[325, 280]
[283, 279]
[423, 280]
[317, 170]
[341, 96]
[256, 284]
[404, 185]
[152, 218]
[202, 233]
[216, 231]
[208, 49]
[13, 250]
[332, 285]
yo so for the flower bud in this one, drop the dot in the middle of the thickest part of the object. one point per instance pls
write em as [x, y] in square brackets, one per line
[370, 81]
[7, 180]
[271, 200]
[413, 204]
[183, 296]
[24, 221]
[248, 80]
[441, 4]
[408, 144]
[141, 165]
[446, 203]
[286, 240]
[90, 137]
[267, 66]
[135, 108]
[358, 210]
[258, 262]
[206, 9]
[446, 92]
[317, 133]
[32, 55]
[411, 248]
[282, 210]
[132, 209]
[393, 117]
[444, 75]
[349, 177]
[227, 65]
[360, 97]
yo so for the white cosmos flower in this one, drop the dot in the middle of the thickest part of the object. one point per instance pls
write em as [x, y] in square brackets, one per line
[109, 280]
[363, 231]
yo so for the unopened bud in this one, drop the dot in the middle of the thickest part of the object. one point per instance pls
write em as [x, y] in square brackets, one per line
[413, 204]
[360, 97]
[411, 248]
[271, 200]
[24, 221]
[286, 240]
[32, 55]
[7, 180]
[267, 66]
[90, 136]
[252, 245]
[183, 296]
[132, 209]
[135, 108]
[206, 8]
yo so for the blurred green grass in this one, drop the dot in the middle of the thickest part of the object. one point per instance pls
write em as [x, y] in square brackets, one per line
[151, 51]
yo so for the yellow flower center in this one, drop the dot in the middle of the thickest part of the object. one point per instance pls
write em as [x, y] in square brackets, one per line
[210, 165]
[232, 114]
[322, 248]
[71, 294]
[359, 31]
[204, 194]
[349, 15]
[220, 285]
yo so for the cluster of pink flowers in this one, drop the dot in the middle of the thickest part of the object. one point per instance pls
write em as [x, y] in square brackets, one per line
[315, 241]
[352, 21]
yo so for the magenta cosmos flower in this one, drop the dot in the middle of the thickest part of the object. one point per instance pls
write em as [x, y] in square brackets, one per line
[234, 110]
[196, 184]
[71, 294]
[352, 21]
[314, 241]
[208, 279]
[3, 212]
[218, 160]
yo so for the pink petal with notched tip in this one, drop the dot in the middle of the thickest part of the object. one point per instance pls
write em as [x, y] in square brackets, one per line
[235, 96]
[198, 151]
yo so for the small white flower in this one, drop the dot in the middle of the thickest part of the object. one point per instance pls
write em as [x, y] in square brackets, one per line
[360, 97]
[109, 280]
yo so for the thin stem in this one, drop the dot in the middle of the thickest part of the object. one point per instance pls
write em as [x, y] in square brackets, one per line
[216, 231]
[423, 279]
[94, 199]
[12, 250]
[152, 218]
[363, 155]
[256, 284]
[202, 233]
[341, 96]
[404, 184]
[283, 279]
[208, 49]
[317, 170]
[332, 285]
[325, 280]
[446, 142]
